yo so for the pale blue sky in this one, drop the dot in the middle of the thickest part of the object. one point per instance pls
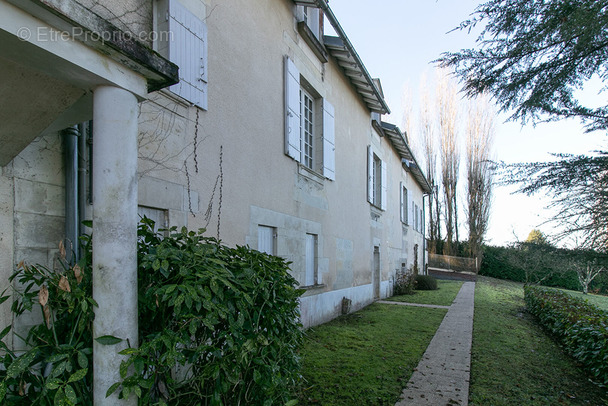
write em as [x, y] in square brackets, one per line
[397, 40]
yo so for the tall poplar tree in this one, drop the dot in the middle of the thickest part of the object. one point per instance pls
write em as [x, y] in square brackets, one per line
[480, 171]
[447, 118]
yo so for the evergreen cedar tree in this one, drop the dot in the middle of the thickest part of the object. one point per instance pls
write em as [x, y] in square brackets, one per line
[531, 57]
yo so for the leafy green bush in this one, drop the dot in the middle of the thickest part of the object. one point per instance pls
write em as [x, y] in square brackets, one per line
[55, 368]
[580, 326]
[219, 325]
[426, 282]
[405, 283]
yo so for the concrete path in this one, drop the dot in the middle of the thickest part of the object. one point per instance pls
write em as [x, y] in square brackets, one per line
[442, 376]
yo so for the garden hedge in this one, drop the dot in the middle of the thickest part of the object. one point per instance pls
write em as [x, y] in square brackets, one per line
[581, 327]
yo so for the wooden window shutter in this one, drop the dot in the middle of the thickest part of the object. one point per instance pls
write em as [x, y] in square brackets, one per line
[401, 202]
[329, 141]
[292, 110]
[384, 185]
[411, 215]
[188, 50]
[370, 174]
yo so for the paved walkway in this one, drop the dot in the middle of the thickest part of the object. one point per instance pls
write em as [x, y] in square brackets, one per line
[442, 376]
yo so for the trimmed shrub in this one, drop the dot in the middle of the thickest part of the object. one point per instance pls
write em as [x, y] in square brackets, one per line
[426, 282]
[581, 327]
[497, 264]
[542, 264]
[405, 283]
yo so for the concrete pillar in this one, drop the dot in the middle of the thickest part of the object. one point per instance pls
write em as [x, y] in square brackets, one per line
[114, 234]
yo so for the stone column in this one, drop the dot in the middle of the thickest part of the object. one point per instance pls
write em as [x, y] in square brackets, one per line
[114, 234]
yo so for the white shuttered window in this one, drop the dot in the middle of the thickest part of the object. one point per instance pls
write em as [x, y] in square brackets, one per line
[403, 197]
[309, 124]
[376, 180]
[187, 48]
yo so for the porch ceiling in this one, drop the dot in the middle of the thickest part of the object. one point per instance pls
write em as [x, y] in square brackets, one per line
[30, 103]
[48, 80]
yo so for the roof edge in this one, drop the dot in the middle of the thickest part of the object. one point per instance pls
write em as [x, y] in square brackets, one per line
[397, 137]
[322, 4]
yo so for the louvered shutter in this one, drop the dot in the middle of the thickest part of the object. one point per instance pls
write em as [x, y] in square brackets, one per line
[292, 110]
[329, 141]
[406, 200]
[188, 50]
[401, 203]
[266, 239]
[384, 186]
[411, 212]
[370, 174]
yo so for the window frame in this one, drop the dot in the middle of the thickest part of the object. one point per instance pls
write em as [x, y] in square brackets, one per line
[308, 129]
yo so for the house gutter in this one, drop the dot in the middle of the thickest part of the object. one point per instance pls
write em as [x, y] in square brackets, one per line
[82, 174]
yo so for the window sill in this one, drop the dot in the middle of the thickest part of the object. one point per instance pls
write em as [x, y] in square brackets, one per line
[310, 174]
[312, 41]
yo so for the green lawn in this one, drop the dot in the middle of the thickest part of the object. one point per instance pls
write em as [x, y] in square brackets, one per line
[365, 358]
[514, 362]
[444, 295]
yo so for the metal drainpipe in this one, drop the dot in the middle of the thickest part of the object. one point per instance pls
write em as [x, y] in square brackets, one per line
[70, 145]
[424, 247]
[90, 167]
[82, 177]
